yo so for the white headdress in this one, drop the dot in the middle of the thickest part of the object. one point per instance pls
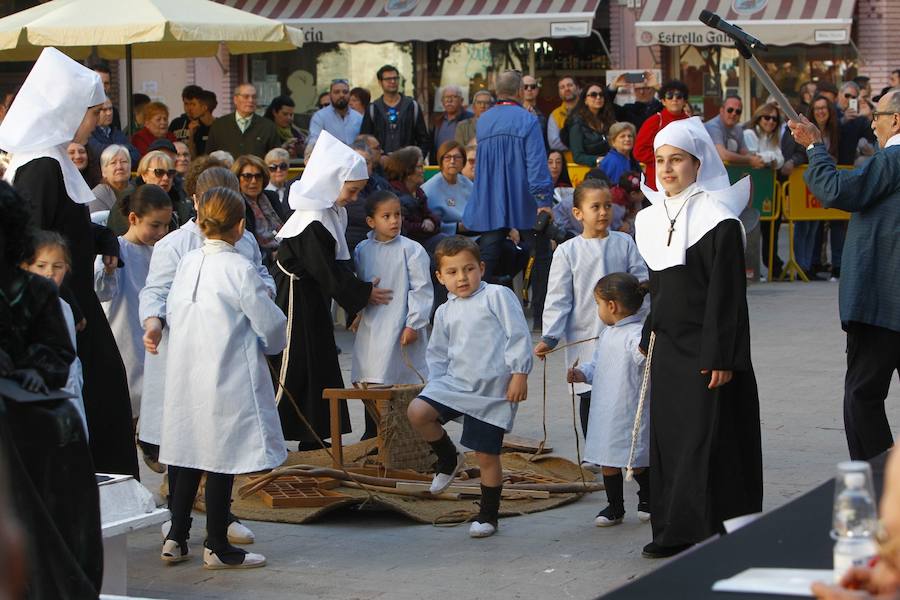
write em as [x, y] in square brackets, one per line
[46, 114]
[331, 164]
[712, 198]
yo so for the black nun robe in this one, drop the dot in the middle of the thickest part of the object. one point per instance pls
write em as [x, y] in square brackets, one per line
[43, 119]
[307, 273]
[705, 449]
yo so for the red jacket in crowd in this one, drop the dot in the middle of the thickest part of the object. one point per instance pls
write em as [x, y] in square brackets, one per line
[643, 145]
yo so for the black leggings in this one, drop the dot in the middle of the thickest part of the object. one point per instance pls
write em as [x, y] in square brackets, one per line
[183, 484]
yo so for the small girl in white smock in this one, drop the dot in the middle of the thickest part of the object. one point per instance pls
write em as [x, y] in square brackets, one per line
[400, 264]
[52, 260]
[149, 212]
[615, 373]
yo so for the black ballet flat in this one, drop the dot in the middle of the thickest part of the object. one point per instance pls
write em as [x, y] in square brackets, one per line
[654, 550]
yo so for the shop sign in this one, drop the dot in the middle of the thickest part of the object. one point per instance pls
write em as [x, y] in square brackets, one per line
[680, 38]
[748, 7]
[831, 35]
[572, 29]
[311, 34]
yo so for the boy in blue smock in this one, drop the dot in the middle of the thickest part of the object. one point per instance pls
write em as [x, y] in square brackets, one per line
[480, 377]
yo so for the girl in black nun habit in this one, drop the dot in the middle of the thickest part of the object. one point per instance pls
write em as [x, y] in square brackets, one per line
[307, 272]
[59, 103]
[705, 450]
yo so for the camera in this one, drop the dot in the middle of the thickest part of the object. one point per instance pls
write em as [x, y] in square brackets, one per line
[545, 225]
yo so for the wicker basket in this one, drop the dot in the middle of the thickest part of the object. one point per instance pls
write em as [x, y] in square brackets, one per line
[402, 447]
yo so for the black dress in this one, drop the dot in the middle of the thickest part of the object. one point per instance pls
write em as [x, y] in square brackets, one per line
[312, 353]
[50, 475]
[705, 450]
[106, 400]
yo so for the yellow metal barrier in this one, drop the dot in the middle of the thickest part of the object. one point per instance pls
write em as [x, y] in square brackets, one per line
[798, 204]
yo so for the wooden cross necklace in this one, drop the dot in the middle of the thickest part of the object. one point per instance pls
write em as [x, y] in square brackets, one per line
[672, 221]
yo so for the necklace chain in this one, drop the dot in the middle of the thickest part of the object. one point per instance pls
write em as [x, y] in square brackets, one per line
[671, 220]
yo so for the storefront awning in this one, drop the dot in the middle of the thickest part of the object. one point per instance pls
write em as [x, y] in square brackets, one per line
[774, 22]
[427, 20]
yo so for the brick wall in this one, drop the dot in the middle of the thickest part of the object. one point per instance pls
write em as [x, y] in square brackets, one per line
[878, 24]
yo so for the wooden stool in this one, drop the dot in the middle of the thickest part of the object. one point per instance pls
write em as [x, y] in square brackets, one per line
[374, 399]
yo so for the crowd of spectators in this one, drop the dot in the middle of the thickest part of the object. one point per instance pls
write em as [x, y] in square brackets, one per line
[397, 138]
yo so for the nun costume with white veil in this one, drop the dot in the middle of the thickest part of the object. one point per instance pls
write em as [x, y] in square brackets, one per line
[306, 274]
[705, 449]
[40, 124]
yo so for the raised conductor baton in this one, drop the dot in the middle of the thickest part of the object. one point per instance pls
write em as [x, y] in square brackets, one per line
[745, 44]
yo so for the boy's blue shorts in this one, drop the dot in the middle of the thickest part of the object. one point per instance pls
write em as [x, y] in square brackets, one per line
[476, 434]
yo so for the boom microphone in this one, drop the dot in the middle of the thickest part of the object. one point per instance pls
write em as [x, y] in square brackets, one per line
[713, 20]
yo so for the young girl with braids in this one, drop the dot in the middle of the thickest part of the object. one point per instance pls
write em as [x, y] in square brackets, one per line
[615, 372]
[219, 414]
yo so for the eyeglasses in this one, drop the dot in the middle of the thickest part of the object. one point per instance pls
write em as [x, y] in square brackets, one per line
[246, 96]
[252, 176]
[394, 78]
[160, 173]
[449, 157]
[674, 96]
[878, 113]
[594, 94]
[736, 111]
[768, 118]
[850, 96]
[530, 86]
[278, 167]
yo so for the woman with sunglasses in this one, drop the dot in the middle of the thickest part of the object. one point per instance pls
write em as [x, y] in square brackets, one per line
[277, 162]
[761, 135]
[265, 215]
[673, 95]
[157, 168]
[588, 125]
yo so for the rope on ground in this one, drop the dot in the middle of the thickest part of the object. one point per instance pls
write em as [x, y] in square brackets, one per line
[540, 449]
[629, 469]
[311, 429]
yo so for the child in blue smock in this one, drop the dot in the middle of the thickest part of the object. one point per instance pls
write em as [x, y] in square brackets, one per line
[399, 264]
[569, 313]
[479, 357]
[615, 372]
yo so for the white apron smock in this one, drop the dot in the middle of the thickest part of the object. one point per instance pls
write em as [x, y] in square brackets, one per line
[402, 265]
[219, 414]
[118, 294]
[167, 254]
[477, 343]
[570, 311]
[616, 372]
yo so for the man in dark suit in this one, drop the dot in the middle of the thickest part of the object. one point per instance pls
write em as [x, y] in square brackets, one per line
[243, 131]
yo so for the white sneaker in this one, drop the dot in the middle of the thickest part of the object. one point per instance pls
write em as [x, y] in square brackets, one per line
[643, 517]
[481, 530]
[172, 552]
[442, 481]
[238, 533]
[251, 561]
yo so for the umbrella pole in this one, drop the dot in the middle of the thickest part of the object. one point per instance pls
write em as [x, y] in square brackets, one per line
[129, 82]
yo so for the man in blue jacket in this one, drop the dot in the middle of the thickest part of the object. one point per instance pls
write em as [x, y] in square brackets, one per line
[512, 182]
[870, 283]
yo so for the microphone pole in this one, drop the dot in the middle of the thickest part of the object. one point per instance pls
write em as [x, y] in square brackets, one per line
[718, 23]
